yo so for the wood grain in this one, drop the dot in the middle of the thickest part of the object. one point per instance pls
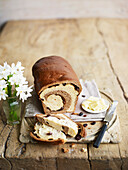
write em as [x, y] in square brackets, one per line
[94, 47]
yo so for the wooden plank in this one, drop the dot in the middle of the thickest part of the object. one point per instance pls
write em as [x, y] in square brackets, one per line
[81, 43]
[95, 65]
[4, 163]
[4, 132]
[105, 156]
[74, 159]
[36, 156]
[115, 37]
[3, 138]
[1, 122]
[29, 164]
[1, 125]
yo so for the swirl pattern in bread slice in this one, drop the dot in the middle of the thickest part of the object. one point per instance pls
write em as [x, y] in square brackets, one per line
[60, 122]
[46, 133]
[59, 98]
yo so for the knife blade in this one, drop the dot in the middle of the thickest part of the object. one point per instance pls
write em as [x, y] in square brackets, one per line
[106, 120]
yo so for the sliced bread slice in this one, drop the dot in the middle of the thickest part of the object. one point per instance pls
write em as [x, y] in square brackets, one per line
[46, 133]
[60, 122]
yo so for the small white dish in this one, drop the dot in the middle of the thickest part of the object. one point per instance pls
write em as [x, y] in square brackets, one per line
[95, 112]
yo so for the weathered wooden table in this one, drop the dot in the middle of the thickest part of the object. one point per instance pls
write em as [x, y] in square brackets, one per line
[97, 49]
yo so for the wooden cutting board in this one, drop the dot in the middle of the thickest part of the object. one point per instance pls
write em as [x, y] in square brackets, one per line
[33, 107]
[97, 49]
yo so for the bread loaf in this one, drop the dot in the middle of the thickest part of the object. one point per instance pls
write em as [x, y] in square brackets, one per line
[59, 122]
[56, 84]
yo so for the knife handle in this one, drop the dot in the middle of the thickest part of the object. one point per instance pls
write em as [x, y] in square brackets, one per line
[100, 136]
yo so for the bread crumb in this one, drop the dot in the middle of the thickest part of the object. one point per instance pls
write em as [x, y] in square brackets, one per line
[83, 150]
[65, 150]
[73, 145]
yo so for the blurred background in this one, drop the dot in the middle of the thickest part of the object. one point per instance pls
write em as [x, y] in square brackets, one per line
[47, 9]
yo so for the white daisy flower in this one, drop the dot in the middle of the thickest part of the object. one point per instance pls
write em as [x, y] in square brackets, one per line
[17, 79]
[3, 95]
[30, 89]
[3, 84]
[13, 68]
[23, 97]
[19, 67]
[5, 71]
[24, 92]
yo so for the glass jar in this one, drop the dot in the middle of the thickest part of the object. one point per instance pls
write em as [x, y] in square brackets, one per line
[12, 110]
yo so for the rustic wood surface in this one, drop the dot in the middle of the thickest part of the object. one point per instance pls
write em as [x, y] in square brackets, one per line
[97, 49]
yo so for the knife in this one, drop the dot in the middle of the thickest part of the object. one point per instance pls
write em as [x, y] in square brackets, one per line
[106, 120]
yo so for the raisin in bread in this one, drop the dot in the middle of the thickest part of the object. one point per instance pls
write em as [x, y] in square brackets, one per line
[60, 122]
[46, 133]
[56, 84]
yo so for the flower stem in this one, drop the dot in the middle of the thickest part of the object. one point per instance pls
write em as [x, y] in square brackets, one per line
[9, 89]
[13, 112]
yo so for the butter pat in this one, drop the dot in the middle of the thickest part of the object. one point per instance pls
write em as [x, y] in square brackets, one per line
[95, 104]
